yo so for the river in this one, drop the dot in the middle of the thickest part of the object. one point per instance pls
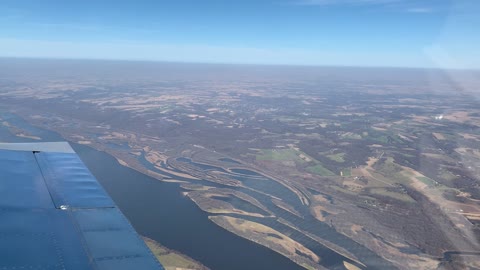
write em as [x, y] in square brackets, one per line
[159, 211]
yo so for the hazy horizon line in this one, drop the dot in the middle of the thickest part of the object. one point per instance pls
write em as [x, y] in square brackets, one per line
[231, 63]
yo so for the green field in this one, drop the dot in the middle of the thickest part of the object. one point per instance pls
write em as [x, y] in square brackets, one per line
[320, 170]
[339, 157]
[391, 171]
[344, 190]
[294, 155]
[447, 175]
[394, 195]
[347, 172]
[278, 154]
[284, 155]
[429, 182]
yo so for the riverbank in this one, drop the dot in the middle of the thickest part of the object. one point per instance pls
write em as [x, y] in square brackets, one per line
[171, 259]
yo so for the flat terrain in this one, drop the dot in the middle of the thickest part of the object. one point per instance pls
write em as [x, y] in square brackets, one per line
[172, 260]
[344, 168]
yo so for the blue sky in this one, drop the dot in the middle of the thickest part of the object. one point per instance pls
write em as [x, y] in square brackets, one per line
[407, 33]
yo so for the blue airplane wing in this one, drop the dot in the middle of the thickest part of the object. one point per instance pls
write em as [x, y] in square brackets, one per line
[55, 215]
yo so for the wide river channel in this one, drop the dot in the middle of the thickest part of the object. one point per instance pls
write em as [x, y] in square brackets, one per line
[159, 211]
